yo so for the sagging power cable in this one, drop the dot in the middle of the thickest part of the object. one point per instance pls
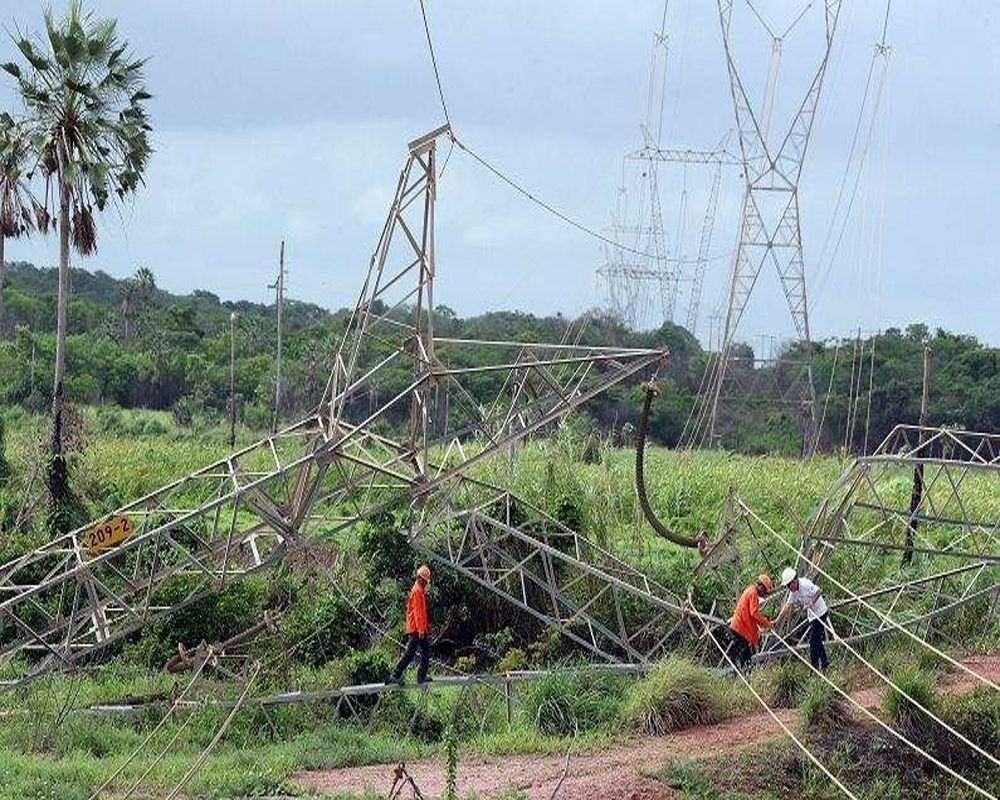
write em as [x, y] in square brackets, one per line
[542, 203]
[879, 721]
[640, 479]
[498, 173]
[854, 596]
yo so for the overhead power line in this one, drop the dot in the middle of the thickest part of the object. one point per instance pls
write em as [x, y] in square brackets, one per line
[437, 75]
[541, 203]
[496, 172]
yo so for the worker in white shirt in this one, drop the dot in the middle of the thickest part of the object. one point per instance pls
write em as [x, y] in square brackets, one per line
[804, 592]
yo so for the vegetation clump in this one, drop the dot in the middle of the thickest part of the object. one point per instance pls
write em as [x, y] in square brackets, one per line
[784, 683]
[823, 710]
[913, 688]
[568, 703]
[676, 694]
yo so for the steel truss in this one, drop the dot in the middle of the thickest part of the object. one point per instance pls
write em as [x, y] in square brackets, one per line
[949, 522]
[401, 423]
[770, 222]
[550, 571]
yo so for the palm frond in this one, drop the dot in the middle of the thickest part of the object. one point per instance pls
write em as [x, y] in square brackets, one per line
[86, 122]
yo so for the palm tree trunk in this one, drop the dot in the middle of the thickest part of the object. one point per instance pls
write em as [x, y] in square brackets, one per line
[3, 275]
[58, 479]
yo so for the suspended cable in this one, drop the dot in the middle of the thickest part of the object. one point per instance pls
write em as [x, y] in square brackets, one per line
[884, 617]
[826, 403]
[878, 720]
[541, 203]
[437, 75]
[871, 384]
[881, 51]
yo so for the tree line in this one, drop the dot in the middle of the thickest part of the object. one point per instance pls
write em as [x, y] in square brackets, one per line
[131, 344]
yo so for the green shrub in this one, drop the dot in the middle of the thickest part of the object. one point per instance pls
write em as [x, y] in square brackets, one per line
[110, 419]
[385, 550]
[821, 706]
[676, 694]
[904, 714]
[513, 660]
[322, 626]
[369, 666]
[783, 683]
[564, 703]
[212, 618]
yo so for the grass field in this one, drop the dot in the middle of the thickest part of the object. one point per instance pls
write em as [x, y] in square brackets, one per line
[49, 748]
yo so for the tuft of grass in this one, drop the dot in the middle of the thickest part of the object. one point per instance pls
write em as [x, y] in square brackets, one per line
[821, 707]
[902, 712]
[676, 694]
[568, 703]
[783, 683]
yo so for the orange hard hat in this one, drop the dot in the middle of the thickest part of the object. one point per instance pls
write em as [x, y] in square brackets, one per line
[765, 580]
[424, 572]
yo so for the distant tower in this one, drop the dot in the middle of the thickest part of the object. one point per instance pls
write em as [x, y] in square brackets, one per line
[769, 227]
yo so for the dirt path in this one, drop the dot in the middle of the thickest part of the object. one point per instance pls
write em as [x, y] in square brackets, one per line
[616, 773]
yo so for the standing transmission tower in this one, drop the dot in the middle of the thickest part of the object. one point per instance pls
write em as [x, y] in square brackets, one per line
[644, 271]
[639, 279]
[769, 226]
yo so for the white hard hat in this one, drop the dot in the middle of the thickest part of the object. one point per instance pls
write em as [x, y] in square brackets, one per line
[787, 576]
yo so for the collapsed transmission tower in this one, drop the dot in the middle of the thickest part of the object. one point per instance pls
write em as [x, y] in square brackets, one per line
[770, 222]
[402, 428]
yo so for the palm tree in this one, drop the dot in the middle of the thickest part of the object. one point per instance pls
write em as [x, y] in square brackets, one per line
[20, 213]
[134, 291]
[84, 97]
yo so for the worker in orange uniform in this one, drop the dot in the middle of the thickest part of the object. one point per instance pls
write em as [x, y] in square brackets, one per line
[416, 629]
[747, 622]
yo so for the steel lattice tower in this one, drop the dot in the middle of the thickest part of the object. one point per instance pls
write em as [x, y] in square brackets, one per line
[769, 224]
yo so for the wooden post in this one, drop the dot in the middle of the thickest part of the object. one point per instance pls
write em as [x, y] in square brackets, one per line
[280, 301]
[917, 495]
[232, 380]
[507, 703]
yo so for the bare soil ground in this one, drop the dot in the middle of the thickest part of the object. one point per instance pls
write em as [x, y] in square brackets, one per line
[617, 773]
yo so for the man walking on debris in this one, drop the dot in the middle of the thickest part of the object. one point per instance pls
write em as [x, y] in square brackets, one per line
[416, 629]
[806, 593]
[747, 622]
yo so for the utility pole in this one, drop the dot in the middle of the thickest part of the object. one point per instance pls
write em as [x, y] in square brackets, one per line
[917, 495]
[232, 380]
[279, 287]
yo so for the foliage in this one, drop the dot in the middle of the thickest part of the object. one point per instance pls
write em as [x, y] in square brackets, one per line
[784, 682]
[565, 703]
[821, 707]
[677, 694]
[85, 114]
[910, 683]
[321, 625]
[211, 618]
[179, 360]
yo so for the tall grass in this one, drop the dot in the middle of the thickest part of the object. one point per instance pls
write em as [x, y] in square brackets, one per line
[677, 694]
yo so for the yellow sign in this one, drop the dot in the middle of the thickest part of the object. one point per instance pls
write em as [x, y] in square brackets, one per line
[107, 534]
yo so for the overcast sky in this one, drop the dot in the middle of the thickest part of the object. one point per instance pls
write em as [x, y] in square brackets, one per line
[289, 119]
